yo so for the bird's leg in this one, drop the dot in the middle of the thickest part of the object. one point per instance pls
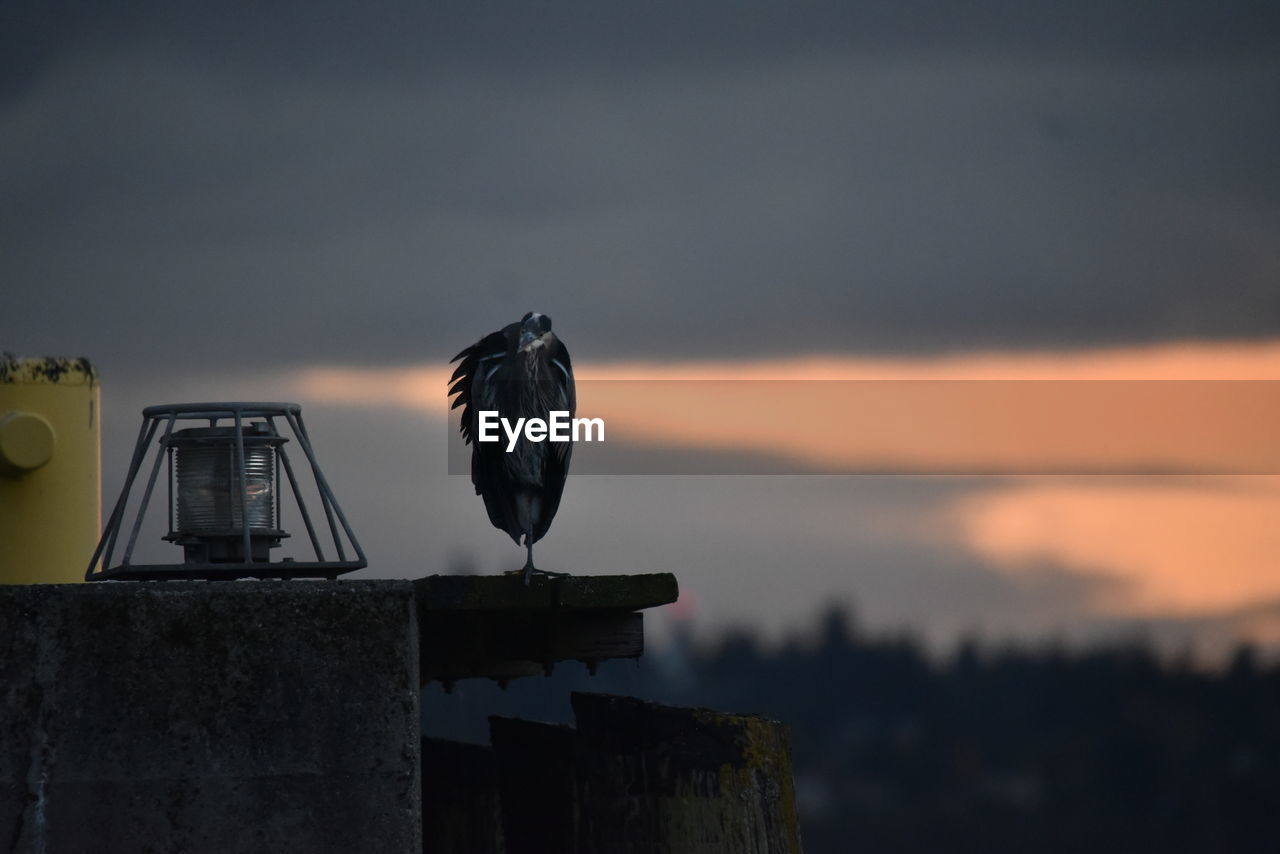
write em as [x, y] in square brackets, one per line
[529, 569]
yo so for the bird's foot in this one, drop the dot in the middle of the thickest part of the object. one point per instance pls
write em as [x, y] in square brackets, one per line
[528, 571]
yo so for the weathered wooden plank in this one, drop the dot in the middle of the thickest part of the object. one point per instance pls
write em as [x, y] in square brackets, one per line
[658, 778]
[454, 646]
[590, 638]
[536, 777]
[455, 593]
[496, 627]
[461, 806]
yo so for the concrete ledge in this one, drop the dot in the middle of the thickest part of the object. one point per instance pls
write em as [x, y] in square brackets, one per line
[198, 716]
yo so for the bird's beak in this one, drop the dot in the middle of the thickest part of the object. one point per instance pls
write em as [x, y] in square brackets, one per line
[528, 341]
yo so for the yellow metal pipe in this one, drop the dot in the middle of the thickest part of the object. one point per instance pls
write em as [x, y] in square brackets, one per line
[50, 472]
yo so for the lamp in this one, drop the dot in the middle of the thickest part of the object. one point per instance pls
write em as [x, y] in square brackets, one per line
[224, 497]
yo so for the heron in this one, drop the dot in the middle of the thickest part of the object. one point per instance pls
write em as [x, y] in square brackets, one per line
[521, 371]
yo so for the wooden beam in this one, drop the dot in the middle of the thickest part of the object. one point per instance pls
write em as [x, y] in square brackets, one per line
[636, 777]
[536, 777]
[496, 627]
[660, 778]
[461, 808]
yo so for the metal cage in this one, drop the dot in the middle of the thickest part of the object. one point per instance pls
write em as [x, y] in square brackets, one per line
[225, 502]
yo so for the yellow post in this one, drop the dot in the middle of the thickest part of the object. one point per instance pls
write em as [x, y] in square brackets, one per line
[50, 477]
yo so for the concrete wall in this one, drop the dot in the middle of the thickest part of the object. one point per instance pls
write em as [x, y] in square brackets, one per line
[198, 716]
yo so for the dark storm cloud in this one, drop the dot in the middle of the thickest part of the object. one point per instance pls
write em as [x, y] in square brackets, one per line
[388, 36]
[381, 182]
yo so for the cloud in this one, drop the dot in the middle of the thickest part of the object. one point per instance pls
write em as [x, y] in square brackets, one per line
[204, 199]
[393, 38]
[379, 183]
[1186, 548]
[1146, 409]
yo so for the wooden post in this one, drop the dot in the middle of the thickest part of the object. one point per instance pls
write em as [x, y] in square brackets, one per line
[652, 778]
[461, 810]
[536, 778]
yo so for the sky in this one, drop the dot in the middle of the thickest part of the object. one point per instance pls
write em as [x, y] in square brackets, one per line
[326, 201]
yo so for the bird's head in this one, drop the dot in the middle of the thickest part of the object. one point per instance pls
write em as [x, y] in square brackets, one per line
[534, 331]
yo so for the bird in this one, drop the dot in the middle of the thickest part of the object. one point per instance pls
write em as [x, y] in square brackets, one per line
[521, 371]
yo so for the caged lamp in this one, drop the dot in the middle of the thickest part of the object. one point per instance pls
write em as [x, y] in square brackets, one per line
[225, 497]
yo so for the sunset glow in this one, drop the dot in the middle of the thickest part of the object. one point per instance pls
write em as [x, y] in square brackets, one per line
[1174, 546]
[1179, 547]
[984, 413]
[419, 386]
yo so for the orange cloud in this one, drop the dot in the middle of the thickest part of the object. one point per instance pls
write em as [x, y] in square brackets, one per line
[957, 426]
[1183, 547]
[420, 386]
[1186, 360]
[1010, 412]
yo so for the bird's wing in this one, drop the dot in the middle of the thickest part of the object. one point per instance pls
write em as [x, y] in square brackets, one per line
[474, 361]
[566, 394]
[555, 465]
